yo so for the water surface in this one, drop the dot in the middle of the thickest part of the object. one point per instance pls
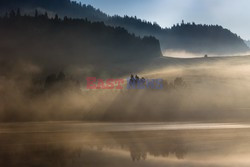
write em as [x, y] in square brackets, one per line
[124, 144]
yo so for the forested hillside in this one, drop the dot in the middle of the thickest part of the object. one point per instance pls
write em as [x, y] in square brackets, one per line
[64, 42]
[211, 39]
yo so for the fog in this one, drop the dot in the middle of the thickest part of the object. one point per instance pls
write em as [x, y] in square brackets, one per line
[49, 117]
[217, 90]
[222, 147]
[185, 54]
[66, 124]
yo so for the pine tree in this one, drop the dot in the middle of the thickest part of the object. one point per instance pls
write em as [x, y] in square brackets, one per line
[18, 13]
[36, 13]
[56, 17]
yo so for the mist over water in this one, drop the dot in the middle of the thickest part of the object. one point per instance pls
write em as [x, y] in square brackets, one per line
[217, 90]
[80, 144]
[49, 117]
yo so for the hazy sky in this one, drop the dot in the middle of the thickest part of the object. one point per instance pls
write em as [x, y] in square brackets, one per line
[232, 14]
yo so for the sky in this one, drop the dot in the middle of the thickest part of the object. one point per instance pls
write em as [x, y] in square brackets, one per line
[231, 14]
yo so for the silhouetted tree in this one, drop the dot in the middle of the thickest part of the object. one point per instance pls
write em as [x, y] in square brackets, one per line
[56, 17]
[61, 76]
[46, 15]
[12, 13]
[50, 80]
[178, 82]
[18, 13]
[36, 13]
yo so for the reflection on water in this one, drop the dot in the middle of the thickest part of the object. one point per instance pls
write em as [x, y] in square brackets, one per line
[21, 146]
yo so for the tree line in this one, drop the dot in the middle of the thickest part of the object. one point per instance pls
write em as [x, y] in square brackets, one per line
[184, 36]
[55, 42]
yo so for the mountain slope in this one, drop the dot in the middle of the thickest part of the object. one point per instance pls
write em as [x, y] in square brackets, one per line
[56, 43]
[193, 37]
[211, 39]
[61, 7]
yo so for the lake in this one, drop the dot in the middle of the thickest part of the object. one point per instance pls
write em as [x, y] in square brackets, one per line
[76, 144]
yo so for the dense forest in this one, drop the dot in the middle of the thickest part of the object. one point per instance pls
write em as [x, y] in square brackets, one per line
[191, 37]
[57, 43]
[61, 7]
[211, 39]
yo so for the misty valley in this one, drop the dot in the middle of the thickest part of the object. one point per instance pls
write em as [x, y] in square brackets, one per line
[83, 87]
